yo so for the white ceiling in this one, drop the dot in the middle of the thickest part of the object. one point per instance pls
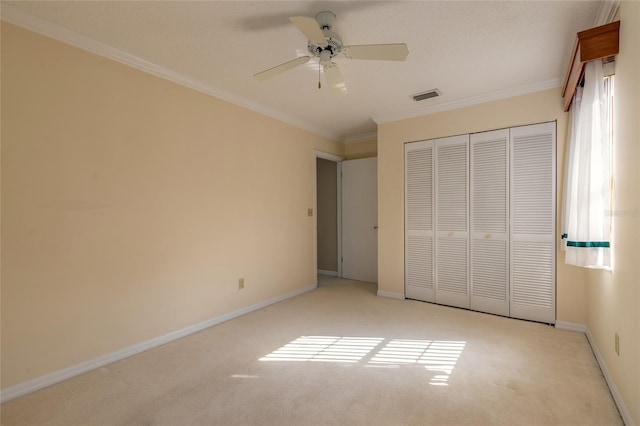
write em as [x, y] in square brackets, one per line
[472, 51]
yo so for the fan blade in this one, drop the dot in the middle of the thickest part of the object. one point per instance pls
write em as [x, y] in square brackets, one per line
[384, 52]
[272, 72]
[335, 80]
[310, 28]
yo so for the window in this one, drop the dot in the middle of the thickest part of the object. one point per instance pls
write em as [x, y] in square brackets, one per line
[587, 196]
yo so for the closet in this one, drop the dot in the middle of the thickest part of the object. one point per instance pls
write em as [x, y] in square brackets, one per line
[480, 221]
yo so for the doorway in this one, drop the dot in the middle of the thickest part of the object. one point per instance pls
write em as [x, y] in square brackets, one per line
[346, 217]
[327, 213]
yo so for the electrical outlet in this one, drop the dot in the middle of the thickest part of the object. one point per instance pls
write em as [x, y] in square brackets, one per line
[310, 212]
[617, 344]
[240, 283]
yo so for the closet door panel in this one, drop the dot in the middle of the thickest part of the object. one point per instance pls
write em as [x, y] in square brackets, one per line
[533, 205]
[533, 289]
[452, 267]
[489, 222]
[419, 215]
[452, 216]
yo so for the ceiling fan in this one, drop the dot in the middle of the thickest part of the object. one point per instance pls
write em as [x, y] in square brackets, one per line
[326, 44]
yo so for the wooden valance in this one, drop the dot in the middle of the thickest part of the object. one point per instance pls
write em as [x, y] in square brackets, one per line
[595, 43]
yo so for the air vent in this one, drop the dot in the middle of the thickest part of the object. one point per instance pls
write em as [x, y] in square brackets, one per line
[426, 95]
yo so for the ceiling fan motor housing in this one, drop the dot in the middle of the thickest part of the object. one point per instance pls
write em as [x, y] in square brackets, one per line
[333, 41]
[325, 19]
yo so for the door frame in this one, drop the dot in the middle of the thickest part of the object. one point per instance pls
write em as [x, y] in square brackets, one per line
[338, 160]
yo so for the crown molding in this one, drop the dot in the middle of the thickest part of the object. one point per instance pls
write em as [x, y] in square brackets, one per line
[361, 138]
[470, 101]
[38, 25]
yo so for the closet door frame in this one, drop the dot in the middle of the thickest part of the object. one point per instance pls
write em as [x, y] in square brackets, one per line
[531, 251]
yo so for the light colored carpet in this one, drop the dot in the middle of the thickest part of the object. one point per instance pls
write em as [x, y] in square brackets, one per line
[340, 355]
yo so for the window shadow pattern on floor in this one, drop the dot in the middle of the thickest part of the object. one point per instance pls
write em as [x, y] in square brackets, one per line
[437, 356]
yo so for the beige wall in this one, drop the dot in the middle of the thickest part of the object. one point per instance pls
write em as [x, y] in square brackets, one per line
[131, 206]
[363, 149]
[614, 297]
[327, 194]
[526, 109]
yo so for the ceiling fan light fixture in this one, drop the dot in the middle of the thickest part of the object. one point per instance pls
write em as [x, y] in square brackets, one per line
[433, 93]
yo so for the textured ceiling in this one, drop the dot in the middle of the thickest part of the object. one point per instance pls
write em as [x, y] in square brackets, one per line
[468, 50]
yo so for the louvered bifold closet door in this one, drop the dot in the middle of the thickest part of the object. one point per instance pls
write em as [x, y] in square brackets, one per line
[533, 205]
[419, 271]
[452, 228]
[489, 222]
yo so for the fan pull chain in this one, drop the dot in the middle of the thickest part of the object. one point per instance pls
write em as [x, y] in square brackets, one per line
[319, 85]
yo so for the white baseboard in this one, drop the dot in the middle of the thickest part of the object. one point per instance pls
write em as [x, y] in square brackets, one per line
[324, 272]
[38, 383]
[571, 326]
[581, 328]
[622, 408]
[390, 295]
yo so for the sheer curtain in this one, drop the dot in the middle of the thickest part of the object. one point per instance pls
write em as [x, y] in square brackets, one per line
[587, 196]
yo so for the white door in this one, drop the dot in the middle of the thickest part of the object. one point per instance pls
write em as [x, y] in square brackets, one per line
[533, 205]
[418, 221]
[360, 219]
[489, 190]
[452, 227]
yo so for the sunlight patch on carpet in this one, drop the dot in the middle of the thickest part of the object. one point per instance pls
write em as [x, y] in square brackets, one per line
[437, 356]
[325, 348]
